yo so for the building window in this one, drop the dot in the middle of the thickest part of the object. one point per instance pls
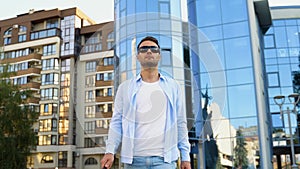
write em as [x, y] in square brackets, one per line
[50, 64]
[100, 77]
[164, 8]
[89, 96]
[67, 46]
[91, 161]
[67, 32]
[47, 159]
[21, 80]
[90, 66]
[167, 59]
[49, 50]
[22, 38]
[89, 111]
[90, 81]
[51, 78]
[65, 65]
[46, 140]
[7, 40]
[110, 40]
[49, 94]
[89, 127]
[105, 76]
[7, 36]
[63, 126]
[62, 159]
[16, 53]
[104, 92]
[108, 61]
[22, 29]
[273, 79]
[103, 123]
[269, 41]
[48, 109]
[48, 125]
[88, 142]
[104, 108]
[8, 31]
[53, 23]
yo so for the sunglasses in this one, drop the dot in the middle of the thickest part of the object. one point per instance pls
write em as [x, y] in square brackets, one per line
[144, 49]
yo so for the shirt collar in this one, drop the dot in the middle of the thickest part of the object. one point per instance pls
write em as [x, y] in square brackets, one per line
[139, 77]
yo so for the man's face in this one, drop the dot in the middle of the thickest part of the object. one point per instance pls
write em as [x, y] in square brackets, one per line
[148, 54]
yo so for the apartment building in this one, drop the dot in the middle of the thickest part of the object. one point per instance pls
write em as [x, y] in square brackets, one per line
[95, 90]
[66, 59]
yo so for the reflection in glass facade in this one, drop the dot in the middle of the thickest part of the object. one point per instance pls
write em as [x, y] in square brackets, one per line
[233, 77]
[220, 60]
[282, 52]
[163, 19]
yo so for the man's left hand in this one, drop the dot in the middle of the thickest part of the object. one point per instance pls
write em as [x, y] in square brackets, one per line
[185, 165]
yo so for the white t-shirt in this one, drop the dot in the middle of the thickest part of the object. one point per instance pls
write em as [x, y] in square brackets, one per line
[150, 120]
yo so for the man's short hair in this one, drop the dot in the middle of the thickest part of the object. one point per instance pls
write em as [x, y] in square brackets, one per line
[148, 38]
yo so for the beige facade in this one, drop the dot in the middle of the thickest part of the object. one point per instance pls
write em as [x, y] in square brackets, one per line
[67, 60]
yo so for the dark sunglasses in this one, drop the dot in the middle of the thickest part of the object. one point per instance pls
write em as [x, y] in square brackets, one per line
[144, 49]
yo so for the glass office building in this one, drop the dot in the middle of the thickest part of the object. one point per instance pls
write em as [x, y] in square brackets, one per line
[232, 72]
[163, 19]
[282, 52]
[221, 59]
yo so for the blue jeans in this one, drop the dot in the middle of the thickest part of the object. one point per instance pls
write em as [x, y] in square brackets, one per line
[152, 162]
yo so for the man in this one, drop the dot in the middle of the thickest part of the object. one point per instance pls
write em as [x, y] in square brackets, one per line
[149, 118]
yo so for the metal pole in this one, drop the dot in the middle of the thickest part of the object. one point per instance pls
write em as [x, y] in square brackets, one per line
[294, 165]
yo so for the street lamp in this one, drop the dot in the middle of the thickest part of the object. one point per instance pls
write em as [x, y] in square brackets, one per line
[293, 98]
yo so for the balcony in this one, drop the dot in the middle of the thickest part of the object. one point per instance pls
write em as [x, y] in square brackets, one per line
[45, 33]
[101, 131]
[31, 85]
[32, 100]
[32, 70]
[36, 56]
[100, 83]
[103, 114]
[104, 68]
[104, 99]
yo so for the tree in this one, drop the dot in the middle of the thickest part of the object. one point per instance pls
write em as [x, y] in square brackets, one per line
[17, 137]
[240, 152]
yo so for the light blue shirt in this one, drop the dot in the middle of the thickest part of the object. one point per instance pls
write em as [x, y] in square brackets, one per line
[122, 125]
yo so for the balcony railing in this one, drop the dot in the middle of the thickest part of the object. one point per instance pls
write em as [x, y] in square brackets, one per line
[29, 71]
[100, 83]
[104, 99]
[22, 58]
[29, 85]
[104, 68]
[103, 114]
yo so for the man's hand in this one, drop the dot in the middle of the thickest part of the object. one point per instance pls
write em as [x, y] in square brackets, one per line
[107, 161]
[185, 165]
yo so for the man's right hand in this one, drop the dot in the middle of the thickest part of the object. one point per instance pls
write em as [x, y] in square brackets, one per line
[107, 161]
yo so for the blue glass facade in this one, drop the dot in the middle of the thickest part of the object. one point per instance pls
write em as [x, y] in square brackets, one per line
[234, 77]
[282, 52]
[135, 19]
[220, 60]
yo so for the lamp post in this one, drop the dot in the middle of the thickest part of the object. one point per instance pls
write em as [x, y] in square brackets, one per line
[294, 99]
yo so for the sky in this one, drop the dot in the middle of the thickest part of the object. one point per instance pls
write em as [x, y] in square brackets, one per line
[98, 10]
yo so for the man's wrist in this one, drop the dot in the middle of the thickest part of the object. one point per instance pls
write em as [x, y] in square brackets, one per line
[109, 153]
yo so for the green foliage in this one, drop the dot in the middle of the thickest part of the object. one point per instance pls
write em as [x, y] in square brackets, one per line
[17, 137]
[240, 152]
